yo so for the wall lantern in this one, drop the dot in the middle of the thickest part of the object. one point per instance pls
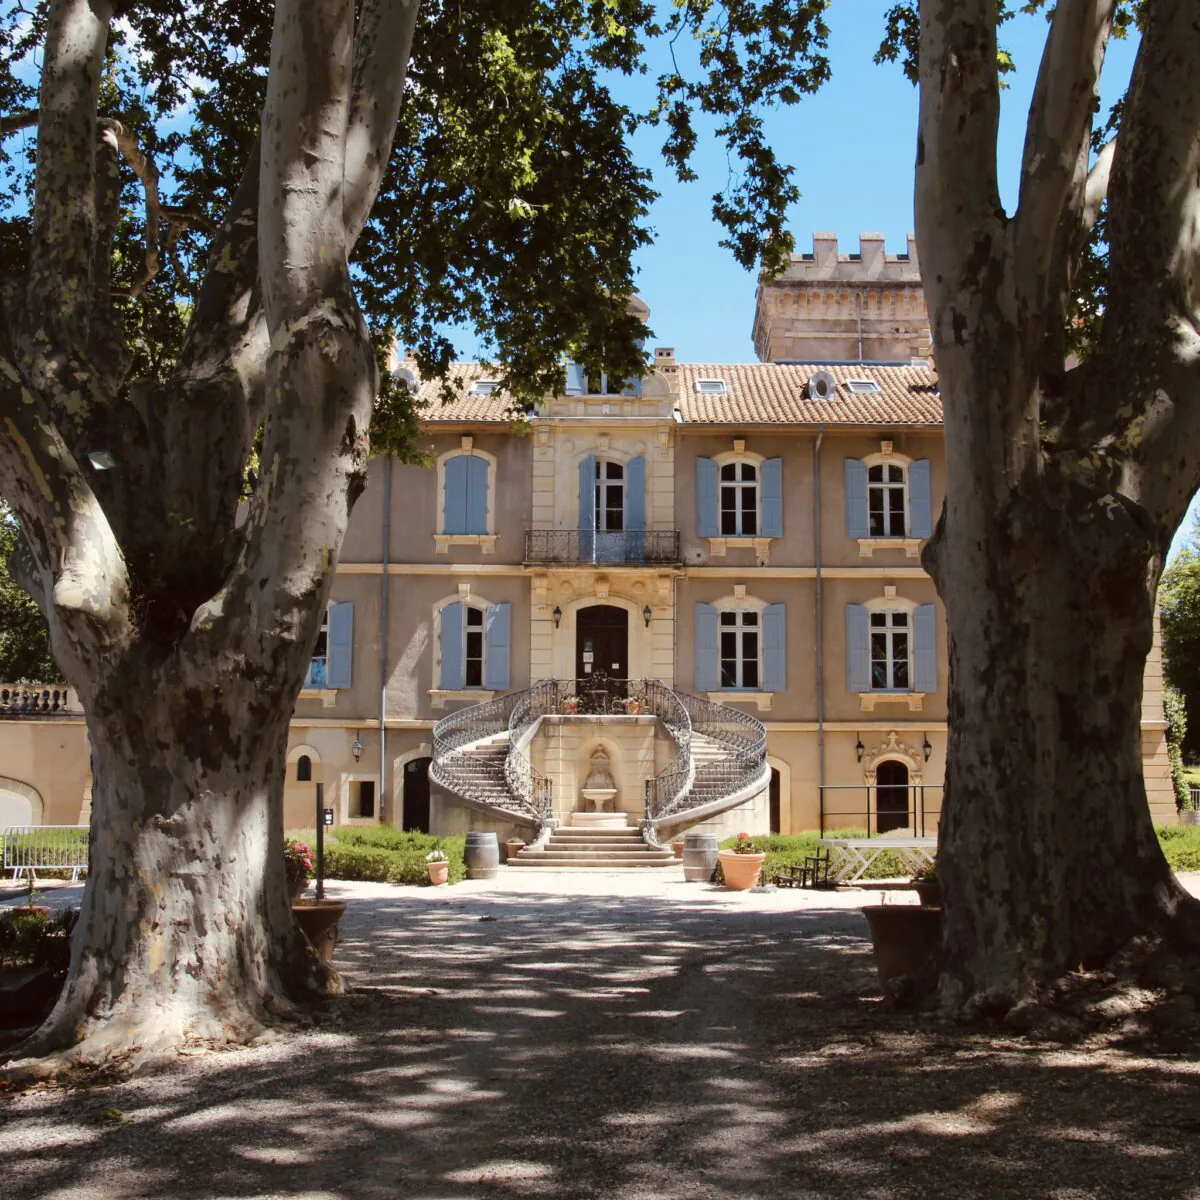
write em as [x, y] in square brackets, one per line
[357, 748]
[926, 747]
[557, 615]
[647, 614]
[859, 749]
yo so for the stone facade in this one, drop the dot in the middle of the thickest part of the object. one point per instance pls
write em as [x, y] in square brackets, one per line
[441, 609]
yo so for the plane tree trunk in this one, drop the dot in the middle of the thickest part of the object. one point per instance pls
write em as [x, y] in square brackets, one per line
[187, 634]
[1064, 485]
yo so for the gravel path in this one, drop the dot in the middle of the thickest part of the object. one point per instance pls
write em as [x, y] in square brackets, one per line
[604, 1036]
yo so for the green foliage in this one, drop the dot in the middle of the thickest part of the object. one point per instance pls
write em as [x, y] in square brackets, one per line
[35, 940]
[383, 854]
[1179, 606]
[1176, 729]
[1181, 846]
[24, 639]
[787, 850]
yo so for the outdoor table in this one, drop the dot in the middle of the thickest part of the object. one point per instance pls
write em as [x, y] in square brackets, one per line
[853, 856]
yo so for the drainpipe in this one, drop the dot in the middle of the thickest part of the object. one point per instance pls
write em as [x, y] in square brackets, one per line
[858, 314]
[820, 611]
[384, 591]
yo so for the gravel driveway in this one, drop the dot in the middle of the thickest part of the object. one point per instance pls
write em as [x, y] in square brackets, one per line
[604, 1036]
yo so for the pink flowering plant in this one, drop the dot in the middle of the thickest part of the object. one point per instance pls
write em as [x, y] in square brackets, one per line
[297, 861]
[744, 845]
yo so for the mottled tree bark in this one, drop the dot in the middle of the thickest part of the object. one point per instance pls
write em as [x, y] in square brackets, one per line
[1064, 487]
[188, 638]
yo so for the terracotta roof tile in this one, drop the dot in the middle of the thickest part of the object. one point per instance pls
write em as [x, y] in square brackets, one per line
[770, 393]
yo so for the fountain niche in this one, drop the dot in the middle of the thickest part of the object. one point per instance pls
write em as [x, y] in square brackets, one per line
[598, 796]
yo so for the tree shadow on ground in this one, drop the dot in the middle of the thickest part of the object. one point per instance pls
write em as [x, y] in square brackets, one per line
[513, 1046]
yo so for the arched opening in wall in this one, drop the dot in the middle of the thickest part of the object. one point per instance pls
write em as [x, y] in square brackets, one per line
[22, 807]
[891, 796]
[773, 797]
[304, 769]
[601, 652]
[416, 796]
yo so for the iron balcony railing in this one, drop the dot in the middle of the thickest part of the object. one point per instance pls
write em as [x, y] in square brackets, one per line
[878, 808]
[570, 547]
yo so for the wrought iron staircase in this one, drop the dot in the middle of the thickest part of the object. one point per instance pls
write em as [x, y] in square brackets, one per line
[480, 753]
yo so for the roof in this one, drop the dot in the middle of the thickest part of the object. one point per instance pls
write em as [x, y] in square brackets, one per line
[757, 394]
[777, 394]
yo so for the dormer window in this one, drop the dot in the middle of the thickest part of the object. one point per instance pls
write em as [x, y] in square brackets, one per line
[862, 387]
[712, 387]
[485, 387]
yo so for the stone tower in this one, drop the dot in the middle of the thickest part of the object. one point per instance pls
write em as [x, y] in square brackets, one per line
[831, 307]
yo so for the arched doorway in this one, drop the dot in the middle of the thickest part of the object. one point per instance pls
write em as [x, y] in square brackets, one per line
[773, 797]
[416, 796]
[602, 642]
[891, 796]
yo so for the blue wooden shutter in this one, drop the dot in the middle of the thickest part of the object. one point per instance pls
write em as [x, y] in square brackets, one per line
[770, 496]
[339, 645]
[498, 626]
[454, 510]
[454, 673]
[925, 646]
[858, 648]
[707, 677]
[635, 509]
[920, 500]
[587, 506]
[576, 380]
[858, 524]
[706, 498]
[774, 671]
[477, 494]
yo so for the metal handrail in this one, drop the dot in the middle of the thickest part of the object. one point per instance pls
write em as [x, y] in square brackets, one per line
[568, 546]
[525, 781]
[920, 814]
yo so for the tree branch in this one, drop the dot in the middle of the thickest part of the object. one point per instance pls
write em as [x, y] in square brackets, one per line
[383, 41]
[1095, 189]
[144, 169]
[1057, 132]
[15, 122]
[64, 208]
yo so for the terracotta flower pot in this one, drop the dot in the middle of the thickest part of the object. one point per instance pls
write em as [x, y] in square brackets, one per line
[296, 889]
[439, 873]
[319, 920]
[741, 871]
[570, 706]
[677, 847]
[31, 910]
[512, 849]
[904, 936]
[929, 891]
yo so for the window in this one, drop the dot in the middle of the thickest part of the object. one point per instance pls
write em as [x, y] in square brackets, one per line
[712, 387]
[862, 387]
[739, 500]
[885, 500]
[474, 643]
[473, 647]
[739, 649]
[889, 651]
[466, 478]
[320, 659]
[332, 658]
[362, 798]
[485, 387]
[304, 769]
[610, 496]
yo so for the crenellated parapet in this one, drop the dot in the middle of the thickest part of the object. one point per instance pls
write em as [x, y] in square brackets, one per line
[829, 306]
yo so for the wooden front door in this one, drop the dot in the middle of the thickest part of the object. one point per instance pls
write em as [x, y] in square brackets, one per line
[416, 796]
[602, 642]
[891, 796]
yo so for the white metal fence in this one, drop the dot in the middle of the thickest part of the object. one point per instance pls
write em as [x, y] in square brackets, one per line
[30, 848]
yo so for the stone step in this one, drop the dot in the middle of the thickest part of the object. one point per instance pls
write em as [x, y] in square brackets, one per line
[618, 831]
[599, 846]
[590, 852]
[615, 861]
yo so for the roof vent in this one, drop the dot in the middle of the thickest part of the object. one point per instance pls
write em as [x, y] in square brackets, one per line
[407, 376]
[822, 386]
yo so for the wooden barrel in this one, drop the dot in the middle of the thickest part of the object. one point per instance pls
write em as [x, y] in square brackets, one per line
[699, 857]
[482, 855]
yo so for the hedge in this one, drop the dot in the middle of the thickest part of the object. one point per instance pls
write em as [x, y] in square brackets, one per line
[382, 854]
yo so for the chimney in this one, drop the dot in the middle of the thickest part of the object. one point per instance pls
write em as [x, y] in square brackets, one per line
[664, 359]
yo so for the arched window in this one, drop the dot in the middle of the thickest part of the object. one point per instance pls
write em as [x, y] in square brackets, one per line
[887, 500]
[474, 640]
[610, 496]
[304, 769]
[739, 499]
[740, 648]
[891, 646]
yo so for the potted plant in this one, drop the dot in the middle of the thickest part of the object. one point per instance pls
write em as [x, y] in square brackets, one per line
[927, 886]
[741, 865]
[904, 938]
[438, 867]
[633, 706]
[30, 908]
[570, 705]
[513, 847]
[298, 864]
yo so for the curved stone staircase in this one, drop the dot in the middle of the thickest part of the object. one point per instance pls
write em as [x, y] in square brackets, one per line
[480, 757]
